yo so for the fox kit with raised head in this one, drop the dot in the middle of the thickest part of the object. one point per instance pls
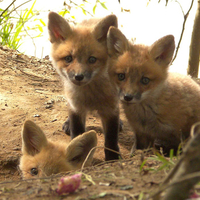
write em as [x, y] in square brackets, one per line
[80, 56]
[160, 106]
[42, 157]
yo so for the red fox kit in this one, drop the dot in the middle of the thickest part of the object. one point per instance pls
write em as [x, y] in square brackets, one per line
[42, 157]
[160, 106]
[80, 56]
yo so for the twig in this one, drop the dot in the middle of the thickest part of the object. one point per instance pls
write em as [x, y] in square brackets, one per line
[94, 148]
[23, 22]
[18, 6]
[81, 7]
[121, 193]
[14, 8]
[7, 8]
[183, 28]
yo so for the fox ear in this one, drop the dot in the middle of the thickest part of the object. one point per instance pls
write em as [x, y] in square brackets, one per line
[58, 27]
[101, 29]
[116, 42]
[79, 148]
[33, 138]
[162, 50]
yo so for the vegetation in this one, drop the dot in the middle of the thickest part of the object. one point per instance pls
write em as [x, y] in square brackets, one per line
[12, 21]
[12, 25]
[164, 163]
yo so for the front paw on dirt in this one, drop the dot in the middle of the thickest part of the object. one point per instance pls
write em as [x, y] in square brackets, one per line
[65, 127]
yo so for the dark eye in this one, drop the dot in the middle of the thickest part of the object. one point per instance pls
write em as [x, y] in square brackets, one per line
[68, 59]
[34, 171]
[121, 76]
[92, 59]
[145, 80]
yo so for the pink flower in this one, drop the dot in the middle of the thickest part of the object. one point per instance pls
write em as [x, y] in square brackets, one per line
[69, 184]
[194, 196]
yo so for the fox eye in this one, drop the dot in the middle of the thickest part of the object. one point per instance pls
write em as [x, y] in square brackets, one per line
[68, 59]
[121, 76]
[92, 59]
[145, 80]
[34, 171]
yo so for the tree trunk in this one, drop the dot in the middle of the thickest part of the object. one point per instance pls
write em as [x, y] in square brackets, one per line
[193, 65]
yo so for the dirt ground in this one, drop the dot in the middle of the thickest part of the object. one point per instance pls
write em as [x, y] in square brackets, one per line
[31, 89]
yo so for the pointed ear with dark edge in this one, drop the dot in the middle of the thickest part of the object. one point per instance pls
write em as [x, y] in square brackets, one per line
[79, 148]
[162, 50]
[116, 42]
[58, 27]
[101, 29]
[33, 138]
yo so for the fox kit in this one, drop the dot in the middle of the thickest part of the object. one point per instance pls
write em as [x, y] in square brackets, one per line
[42, 157]
[160, 106]
[80, 56]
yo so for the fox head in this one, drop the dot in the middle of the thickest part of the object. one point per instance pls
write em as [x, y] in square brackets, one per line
[138, 70]
[42, 157]
[79, 53]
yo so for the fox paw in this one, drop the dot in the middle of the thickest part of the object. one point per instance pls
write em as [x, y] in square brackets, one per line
[66, 128]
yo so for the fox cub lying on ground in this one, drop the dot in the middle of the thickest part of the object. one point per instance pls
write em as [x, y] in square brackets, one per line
[80, 56]
[42, 157]
[160, 106]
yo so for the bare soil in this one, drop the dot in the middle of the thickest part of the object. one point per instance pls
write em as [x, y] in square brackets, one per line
[31, 89]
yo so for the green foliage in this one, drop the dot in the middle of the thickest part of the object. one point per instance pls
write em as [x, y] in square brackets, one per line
[141, 196]
[12, 22]
[11, 26]
[5, 31]
[165, 163]
[101, 3]
[83, 6]
[63, 12]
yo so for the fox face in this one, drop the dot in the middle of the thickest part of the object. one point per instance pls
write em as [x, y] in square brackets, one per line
[138, 70]
[42, 157]
[79, 53]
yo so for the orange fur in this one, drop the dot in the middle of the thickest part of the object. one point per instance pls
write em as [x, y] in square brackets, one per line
[79, 54]
[160, 106]
[42, 157]
[82, 43]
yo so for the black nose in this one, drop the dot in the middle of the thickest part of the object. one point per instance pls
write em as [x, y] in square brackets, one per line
[79, 77]
[128, 97]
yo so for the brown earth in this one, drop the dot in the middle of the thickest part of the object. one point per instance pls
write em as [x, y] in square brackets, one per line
[30, 89]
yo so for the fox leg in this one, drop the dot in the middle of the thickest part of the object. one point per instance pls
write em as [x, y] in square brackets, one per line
[144, 141]
[65, 127]
[141, 141]
[111, 129]
[168, 141]
[75, 124]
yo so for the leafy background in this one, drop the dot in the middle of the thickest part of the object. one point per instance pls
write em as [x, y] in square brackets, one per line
[23, 24]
